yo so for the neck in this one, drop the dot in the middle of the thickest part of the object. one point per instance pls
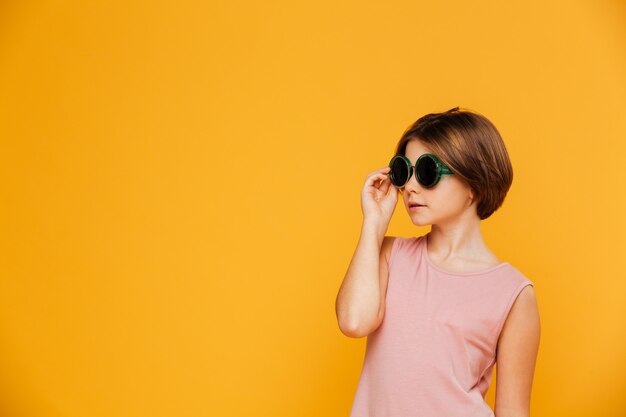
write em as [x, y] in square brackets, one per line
[462, 240]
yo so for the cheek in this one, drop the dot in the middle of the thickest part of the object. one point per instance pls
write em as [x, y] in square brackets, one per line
[450, 201]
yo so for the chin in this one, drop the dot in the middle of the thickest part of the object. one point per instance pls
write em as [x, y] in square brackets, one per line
[419, 221]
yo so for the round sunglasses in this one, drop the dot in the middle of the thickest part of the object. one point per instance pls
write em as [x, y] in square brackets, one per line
[428, 170]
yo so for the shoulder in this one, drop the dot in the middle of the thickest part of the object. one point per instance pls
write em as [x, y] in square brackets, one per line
[516, 280]
[392, 244]
[523, 317]
[526, 301]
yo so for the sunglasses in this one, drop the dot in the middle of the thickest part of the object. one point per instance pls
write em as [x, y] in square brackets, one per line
[428, 170]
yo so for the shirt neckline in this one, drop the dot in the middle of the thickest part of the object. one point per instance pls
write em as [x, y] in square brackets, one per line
[445, 271]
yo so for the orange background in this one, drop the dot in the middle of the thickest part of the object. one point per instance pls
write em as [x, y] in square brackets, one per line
[180, 192]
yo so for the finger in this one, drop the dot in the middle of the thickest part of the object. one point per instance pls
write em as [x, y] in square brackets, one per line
[386, 184]
[376, 177]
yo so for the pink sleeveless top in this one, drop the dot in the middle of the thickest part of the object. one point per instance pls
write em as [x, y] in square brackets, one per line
[434, 352]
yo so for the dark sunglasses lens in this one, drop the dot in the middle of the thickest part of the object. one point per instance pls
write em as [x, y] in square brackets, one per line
[399, 172]
[427, 171]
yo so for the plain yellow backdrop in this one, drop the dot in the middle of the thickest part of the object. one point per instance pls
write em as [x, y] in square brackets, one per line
[180, 192]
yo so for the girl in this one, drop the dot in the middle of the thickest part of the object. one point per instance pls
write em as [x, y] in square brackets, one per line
[438, 309]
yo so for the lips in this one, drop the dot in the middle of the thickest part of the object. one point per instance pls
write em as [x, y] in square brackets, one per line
[412, 204]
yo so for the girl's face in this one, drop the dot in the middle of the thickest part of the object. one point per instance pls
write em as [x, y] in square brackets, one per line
[449, 201]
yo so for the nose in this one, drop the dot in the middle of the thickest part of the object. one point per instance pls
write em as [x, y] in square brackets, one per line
[413, 185]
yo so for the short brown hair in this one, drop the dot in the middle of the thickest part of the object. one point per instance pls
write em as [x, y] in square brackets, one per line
[471, 146]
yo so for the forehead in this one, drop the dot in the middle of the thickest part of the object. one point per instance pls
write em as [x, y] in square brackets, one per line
[414, 149]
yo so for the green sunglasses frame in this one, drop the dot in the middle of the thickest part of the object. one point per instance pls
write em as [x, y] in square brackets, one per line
[441, 169]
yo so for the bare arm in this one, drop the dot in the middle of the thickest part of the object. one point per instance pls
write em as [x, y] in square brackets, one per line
[360, 303]
[517, 350]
